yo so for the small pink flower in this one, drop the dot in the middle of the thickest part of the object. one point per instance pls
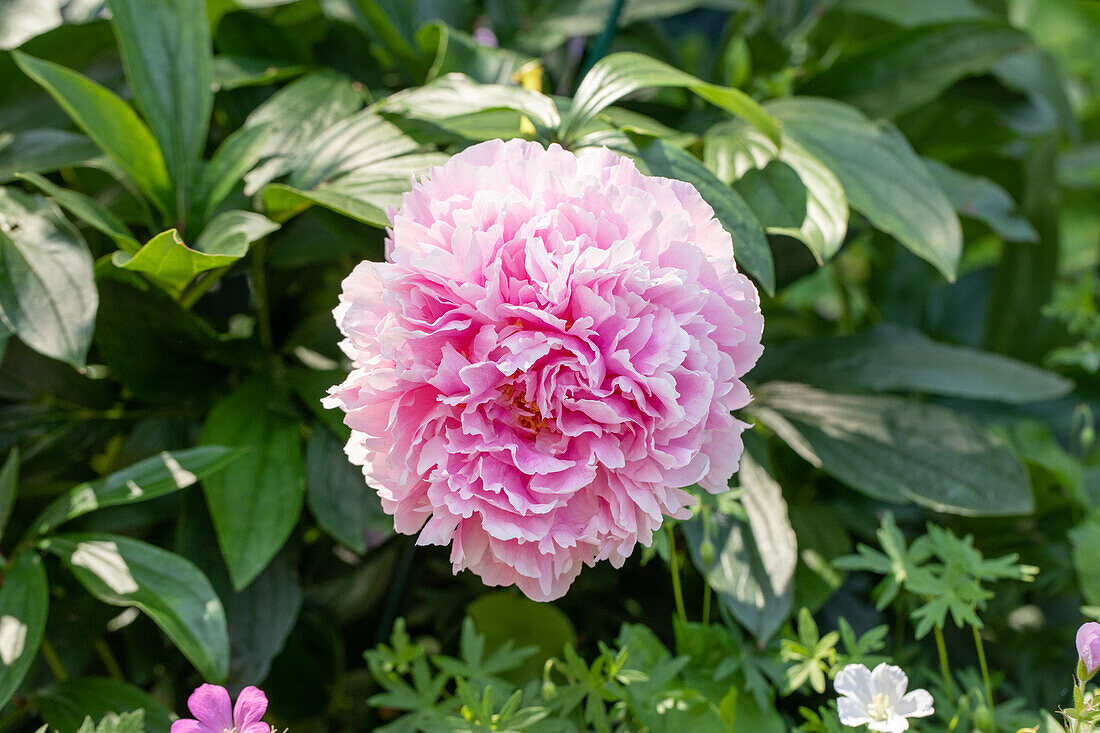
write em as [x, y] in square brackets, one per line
[1088, 646]
[213, 713]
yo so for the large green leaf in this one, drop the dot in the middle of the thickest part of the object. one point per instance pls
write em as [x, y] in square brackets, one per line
[982, 199]
[166, 51]
[754, 560]
[297, 114]
[458, 51]
[750, 246]
[256, 501]
[898, 450]
[163, 474]
[126, 572]
[42, 151]
[1083, 540]
[261, 618]
[230, 233]
[233, 158]
[732, 150]
[776, 195]
[348, 146]
[109, 122]
[890, 358]
[24, 602]
[903, 71]
[47, 290]
[9, 486]
[87, 209]
[882, 176]
[925, 12]
[338, 495]
[22, 20]
[64, 705]
[619, 74]
[170, 262]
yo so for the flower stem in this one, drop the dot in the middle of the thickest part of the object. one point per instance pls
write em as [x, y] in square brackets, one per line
[985, 669]
[53, 661]
[706, 602]
[108, 658]
[677, 591]
[945, 666]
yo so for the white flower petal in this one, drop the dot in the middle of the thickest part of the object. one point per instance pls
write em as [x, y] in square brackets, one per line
[851, 712]
[855, 681]
[891, 681]
[895, 724]
[917, 704]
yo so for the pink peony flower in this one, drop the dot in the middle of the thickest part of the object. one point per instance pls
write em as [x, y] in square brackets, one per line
[1088, 646]
[210, 705]
[551, 353]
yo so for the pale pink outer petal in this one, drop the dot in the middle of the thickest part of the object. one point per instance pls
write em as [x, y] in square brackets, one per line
[211, 706]
[251, 706]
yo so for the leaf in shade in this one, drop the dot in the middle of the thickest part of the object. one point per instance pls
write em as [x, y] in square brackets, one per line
[256, 501]
[261, 618]
[126, 572]
[47, 288]
[982, 199]
[234, 72]
[9, 486]
[775, 194]
[898, 450]
[64, 705]
[87, 209]
[882, 177]
[24, 602]
[43, 151]
[163, 474]
[109, 122]
[890, 358]
[926, 12]
[339, 497]
[233, 158]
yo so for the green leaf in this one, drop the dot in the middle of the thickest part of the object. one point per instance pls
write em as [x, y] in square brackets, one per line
[338, 495]
[166, 52]
[234, 72]
[732, 150]
[22, 21]
[552, 24]
[133, 722]
[233, 158]
[47, 291]
[24, 602]
[505, 618]
[619, 74]
[170, 262]
[42, 151]
[108, 121]
[373, 16]
[882, 176]
[456, 51]
[926, 12]
[256, 501]
[754, 561]
[1083, 541]
[898, 450]
[750, 246]
[126, 572]
[890, 358]
[349, 146]
[65, 704]
[776, 195]
[261, 618]
[455, 95]
[87, 209]
[9, 487]
[163, 474]
[900, 72]
[297, 114]
[982, 199]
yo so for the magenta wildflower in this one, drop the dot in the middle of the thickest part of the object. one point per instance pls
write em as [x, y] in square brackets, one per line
[1088, 646]
[214, 713]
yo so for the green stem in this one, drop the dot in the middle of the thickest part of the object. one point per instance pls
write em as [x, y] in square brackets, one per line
[706, 602]
[259, 282]
[677, 590]
[108, 659]
[13, 715]
[200, 286]
[985, 669]
[945, 667]
[54, 661]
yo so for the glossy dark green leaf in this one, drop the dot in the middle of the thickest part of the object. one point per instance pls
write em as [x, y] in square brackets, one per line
[43, 151]
[893, 359]
[171, 263]
[901, 72]
[47, 291]
[750, 246]
[776, 194]
[230, 233]
[338, 495]
[87, 209]
[233, 158]
[9, 487]
[24, 603]
[64, 705]
[261, 618]
[297, 114]
[456, 51]
[163, 474]
[108, 121]
[126, 572]
[374, 16]
[982, 199]
[166, 51]
[619, 74]
[256, 501]
[898, 450]
[234, 72]
[926, 12]
[882, 177]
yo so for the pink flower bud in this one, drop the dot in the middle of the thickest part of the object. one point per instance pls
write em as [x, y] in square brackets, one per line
[1088, 646]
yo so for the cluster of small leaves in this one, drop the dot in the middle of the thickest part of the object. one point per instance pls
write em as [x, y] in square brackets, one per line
[813, 659]
[945, 572]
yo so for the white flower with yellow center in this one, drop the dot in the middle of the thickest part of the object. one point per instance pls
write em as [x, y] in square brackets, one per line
[878, 699]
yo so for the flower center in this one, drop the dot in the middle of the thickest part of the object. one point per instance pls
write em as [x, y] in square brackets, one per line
[528, 416]
[879, 709]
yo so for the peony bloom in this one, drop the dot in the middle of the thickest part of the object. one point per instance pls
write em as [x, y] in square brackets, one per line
[878, 699]
[552, 352]
[210, 705]
[1088, 647]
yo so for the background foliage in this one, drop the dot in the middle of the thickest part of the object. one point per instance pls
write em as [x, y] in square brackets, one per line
[914, 187]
